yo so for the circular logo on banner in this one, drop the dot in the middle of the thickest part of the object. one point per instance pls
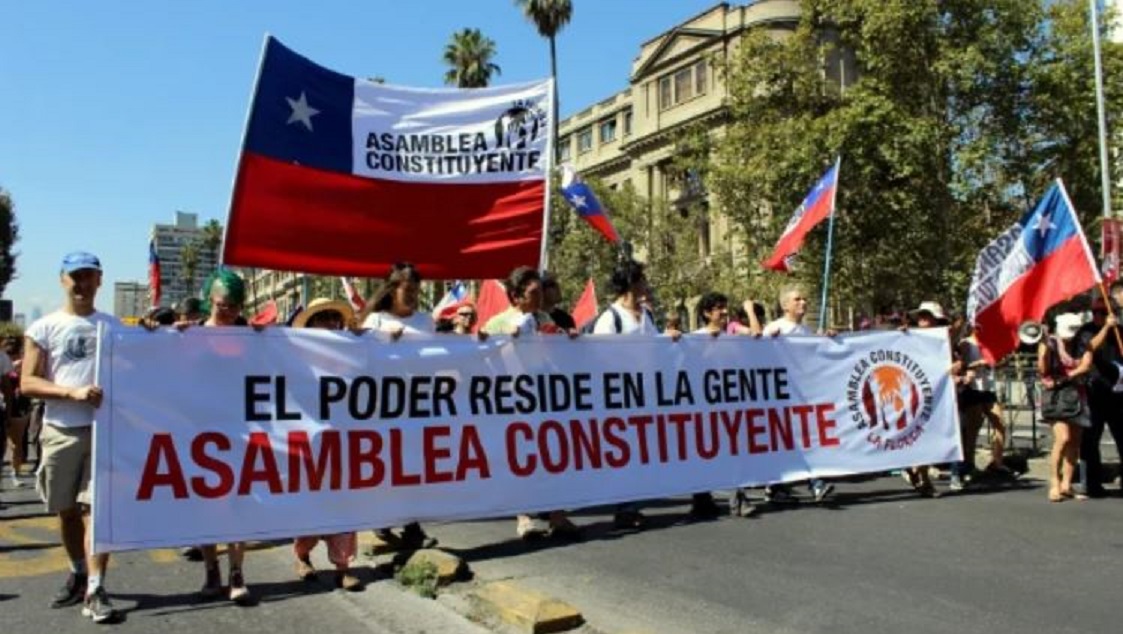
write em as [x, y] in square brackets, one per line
[519, 126]
[890, 397]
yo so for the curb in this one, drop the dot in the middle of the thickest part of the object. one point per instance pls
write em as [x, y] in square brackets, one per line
[526, 609]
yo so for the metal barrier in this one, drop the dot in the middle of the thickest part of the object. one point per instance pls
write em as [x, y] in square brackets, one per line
[1016, 379]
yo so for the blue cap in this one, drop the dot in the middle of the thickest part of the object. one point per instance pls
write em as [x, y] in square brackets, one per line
[79, 260]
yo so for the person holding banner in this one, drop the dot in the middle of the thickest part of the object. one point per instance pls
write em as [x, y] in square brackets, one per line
[59, 367]
[1105, 401]
[393, 310]
[1062, 365]
[224, 294]
[793, 303]
[713, 315]
[327, 314]
[525, 318]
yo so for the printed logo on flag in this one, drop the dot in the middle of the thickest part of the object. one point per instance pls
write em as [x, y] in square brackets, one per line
[520, 126]
[889, 395]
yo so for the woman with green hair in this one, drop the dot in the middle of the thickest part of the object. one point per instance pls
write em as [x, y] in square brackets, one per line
[224, 295]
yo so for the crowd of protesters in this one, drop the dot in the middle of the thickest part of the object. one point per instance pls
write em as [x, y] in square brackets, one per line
[49, 396]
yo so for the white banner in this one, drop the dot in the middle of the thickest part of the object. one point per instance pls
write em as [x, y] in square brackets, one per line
[223, 434]
[486, 135]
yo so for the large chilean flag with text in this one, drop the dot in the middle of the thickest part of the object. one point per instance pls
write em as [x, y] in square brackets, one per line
[343, 176]
[1042, 259]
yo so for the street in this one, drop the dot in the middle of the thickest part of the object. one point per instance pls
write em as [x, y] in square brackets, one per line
[875, 559]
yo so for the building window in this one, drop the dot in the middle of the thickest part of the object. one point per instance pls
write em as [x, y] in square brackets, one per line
[584, 140]
[564, 149]
[701, 77]
[608, 130]
[683, 84]
[666, 97]
[628, 123]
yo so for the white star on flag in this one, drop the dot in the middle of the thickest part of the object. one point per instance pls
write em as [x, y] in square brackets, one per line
[578, 201]
[301, 111]
[1043, 225]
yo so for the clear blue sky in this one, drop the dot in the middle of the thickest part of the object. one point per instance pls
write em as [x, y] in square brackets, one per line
[115, 114]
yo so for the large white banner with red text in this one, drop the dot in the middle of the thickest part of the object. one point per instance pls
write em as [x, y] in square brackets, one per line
[212, 435]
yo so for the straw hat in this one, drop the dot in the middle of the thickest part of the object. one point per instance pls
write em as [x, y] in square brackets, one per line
[320, 305]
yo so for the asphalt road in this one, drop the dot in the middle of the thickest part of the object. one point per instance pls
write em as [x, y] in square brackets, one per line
[876, 559]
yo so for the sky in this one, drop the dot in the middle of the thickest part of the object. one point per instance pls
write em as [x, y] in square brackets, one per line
[115, 114]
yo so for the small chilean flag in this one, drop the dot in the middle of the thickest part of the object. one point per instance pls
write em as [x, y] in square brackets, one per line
[155, 291]
[816, 207]
[581, 197]
[343, 176]
[1042, 259]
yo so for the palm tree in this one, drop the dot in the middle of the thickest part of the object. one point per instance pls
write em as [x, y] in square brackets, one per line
[211, 239]
[549, 17]
[468, 55]
[189, 263]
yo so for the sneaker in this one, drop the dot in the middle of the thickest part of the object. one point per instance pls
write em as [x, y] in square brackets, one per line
[413, 538]
[529, 528]
[72, 592]
[239, 593]
[779, 494]
[98, 607]
[821, 490]
[704, 508]
[740, 506]
[212, 586]
[16, 482]
[344, 580]
[956, 483]
[305, 571]
[191, 553]
[389, 537]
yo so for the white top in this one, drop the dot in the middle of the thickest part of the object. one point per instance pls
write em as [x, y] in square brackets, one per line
[706, 331]
[984, 375]
[606, 323]
[70, 342]
[785, 326]
[416, 324]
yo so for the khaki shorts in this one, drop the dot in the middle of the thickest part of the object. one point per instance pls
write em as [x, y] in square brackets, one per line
[63, 479]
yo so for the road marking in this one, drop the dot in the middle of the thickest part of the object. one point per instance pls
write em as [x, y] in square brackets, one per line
[29, 531]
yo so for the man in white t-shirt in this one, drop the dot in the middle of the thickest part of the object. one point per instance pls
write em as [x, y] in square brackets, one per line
[59, 360]
[793, 303]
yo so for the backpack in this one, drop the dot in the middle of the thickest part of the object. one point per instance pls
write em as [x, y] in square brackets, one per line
[617, 321]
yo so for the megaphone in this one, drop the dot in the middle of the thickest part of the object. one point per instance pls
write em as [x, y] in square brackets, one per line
[1031, 333]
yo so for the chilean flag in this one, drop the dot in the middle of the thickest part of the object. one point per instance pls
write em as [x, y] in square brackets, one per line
[155, 290]
[816, 207]
[581, 197]
[1042, 259]
[343, 176]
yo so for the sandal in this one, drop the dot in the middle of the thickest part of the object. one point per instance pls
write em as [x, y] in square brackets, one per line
[1056, 496]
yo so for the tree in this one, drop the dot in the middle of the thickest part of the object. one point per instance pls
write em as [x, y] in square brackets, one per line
[189, 265]
[549, 17]
[468, 56]
[960, 113]
[9, 236]
[211, 239]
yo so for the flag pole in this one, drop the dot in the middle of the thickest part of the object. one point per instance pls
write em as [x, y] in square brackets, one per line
[544, 254]
[1105, 178]
[830, 251]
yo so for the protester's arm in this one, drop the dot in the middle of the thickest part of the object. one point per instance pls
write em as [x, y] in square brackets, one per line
[755, 327]
[34, 384]
[1100, 337]
[1084, 367]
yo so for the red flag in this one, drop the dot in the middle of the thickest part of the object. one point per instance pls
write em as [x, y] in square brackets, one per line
[493, 300]
[815, 208]
[586, 307]
[353, 296]
[1042, 259]
[1109, 249]
[267, 316]
[155, 290]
